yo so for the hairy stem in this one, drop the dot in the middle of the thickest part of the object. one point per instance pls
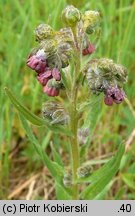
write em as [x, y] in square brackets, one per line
[74, 143]
[74, 121]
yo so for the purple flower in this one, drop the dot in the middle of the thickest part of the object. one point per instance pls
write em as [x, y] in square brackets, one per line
[114, 94]
[108, 101]
[56, 74]
[37, 62]
[43, 78]
[48, 74]
[89, 50]
[51, 91]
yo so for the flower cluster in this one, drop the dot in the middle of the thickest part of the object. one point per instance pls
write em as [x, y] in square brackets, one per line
[50, 57]
[104, 75]
[55, 49]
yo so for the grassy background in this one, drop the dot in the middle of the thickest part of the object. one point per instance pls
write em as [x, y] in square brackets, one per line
[22, 175]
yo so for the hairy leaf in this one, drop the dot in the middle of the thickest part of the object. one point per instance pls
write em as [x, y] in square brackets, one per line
[62, 194]
[22, 109]
[33, 118]
[55, 169]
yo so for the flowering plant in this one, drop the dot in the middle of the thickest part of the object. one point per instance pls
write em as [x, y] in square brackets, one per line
[62, 66]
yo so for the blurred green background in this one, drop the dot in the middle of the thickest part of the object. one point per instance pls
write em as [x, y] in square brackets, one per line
[22, 175]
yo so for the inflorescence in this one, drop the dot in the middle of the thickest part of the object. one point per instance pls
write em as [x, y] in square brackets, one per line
[56, 49]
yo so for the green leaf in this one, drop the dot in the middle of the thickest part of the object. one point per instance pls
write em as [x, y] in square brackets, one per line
[92, 118]
[55, 169]
[50, 164]
[101, 196]
[129, 179]
[56, 156]
[65, 80]
[33, 118]
[120, 193]
[61, 193]
[24, 111]
[103, 176]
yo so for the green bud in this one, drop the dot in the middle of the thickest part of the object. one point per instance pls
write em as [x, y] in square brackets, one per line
[49, 46]
[65, 35]
[91, 20]
[84, 171]
[64, 60]
[65, 52]
[44, 31]
[53, 83]
[71, 15]
[55, 112]
[54, 61]
[82, 135]
[67, 180]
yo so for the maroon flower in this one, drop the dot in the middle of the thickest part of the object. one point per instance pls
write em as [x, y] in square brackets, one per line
[36, 64]
[85, 52]
[108, 101]
[48, 74]
[44, 77]
[37, 61]
[89, 50]
[51, 91]
[114, 94]
[56, 74]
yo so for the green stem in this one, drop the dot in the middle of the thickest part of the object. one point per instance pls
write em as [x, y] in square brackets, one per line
[74, 120]
[74, 143]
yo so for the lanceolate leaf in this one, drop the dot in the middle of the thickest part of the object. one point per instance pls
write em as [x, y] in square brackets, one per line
[24, 111]
[33, 118]
[56, 156]
[37, 146]
[129, 179]
[92, 118]
[103, 176]
[61, 193]
[55, 169]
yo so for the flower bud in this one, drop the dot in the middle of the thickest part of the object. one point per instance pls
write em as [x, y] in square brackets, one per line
[114, 94]
[108, 101]
[67, 180]
[41, 55]
[49, 46]
[56, 74]
[54, 61]
[52, 87]
[49, 108]
[51, 91]
[91, 20]
[82, 135]
[44, 31]
[84, 171]
[55, 112]
[43, 78]
[65, 36]
[89, 50]
[36, 63]
[71, 15]
[64, 60]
